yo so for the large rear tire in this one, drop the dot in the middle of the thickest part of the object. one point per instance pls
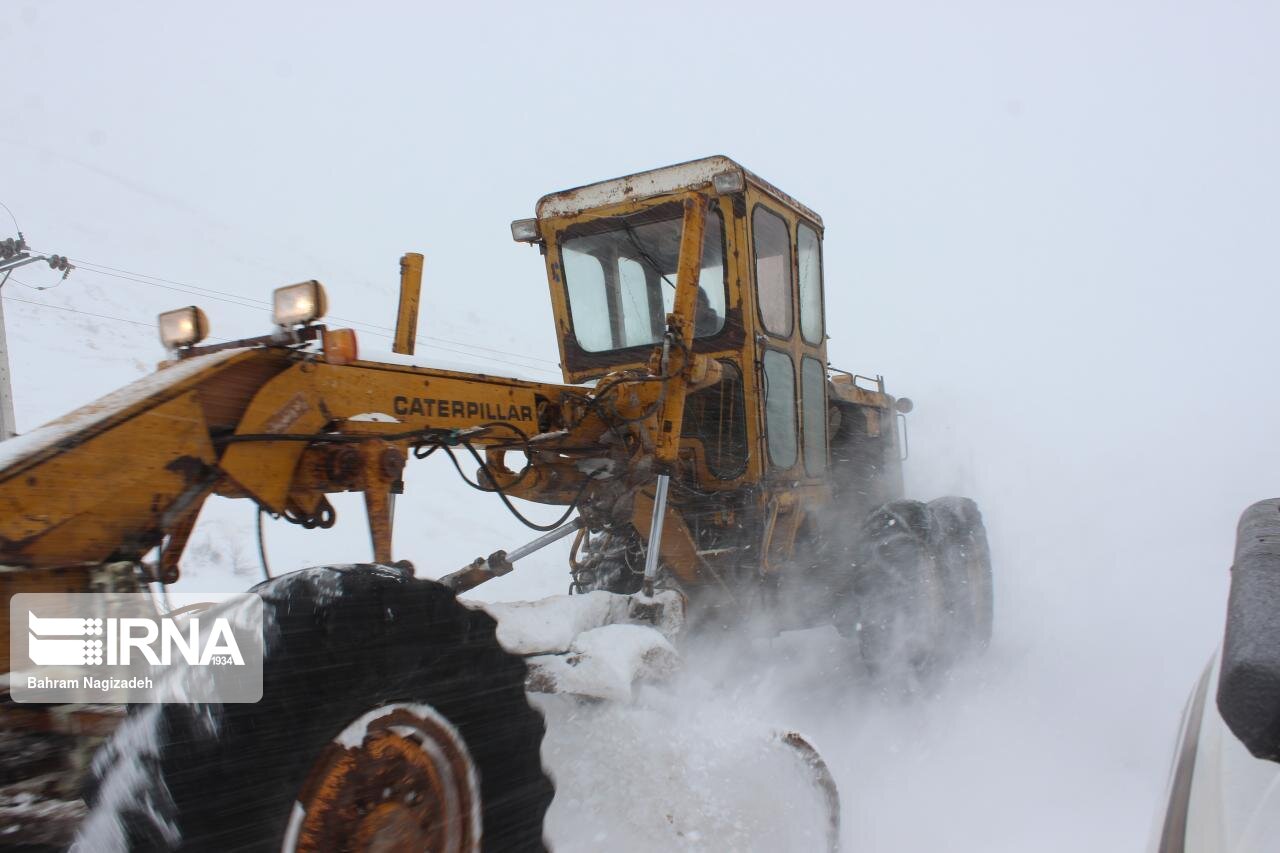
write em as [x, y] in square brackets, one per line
[959, 541]
[921, 594]
[896, 605]
[391, 718]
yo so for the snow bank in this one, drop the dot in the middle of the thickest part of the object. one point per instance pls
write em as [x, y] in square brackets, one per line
[607, 663]
[549, 625]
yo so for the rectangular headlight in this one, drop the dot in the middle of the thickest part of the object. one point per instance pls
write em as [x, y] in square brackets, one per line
[727, 183]
[525, 231]
[300, 303]
[183, 327]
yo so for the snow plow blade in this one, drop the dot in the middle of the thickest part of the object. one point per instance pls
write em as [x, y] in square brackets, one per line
[591, 645]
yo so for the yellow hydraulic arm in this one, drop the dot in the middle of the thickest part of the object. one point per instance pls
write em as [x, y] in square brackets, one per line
[282, 426]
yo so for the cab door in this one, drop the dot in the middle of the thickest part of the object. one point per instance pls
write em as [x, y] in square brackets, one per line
[791, 370]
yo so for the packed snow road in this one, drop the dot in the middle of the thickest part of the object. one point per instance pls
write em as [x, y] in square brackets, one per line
[963, 765]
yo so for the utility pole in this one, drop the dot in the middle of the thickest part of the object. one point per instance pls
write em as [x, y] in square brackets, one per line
[7, 426]
[14, 254]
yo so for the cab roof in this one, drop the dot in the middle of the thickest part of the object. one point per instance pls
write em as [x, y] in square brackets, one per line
[693, 174]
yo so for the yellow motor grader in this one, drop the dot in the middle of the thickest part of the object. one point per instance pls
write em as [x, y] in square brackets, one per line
[708, 458]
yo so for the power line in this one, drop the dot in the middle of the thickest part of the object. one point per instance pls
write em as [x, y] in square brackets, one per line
[250, 302]
[35, 287]
[16, 226]
[154, 326]
[492, 359]
[77, 311]
[89, 313]
[180, 284]
[228, 298]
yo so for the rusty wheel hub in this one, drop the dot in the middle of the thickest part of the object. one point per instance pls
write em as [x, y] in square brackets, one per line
[397, 778]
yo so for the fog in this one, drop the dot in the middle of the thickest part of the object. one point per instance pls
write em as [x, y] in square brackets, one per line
[1051, 225]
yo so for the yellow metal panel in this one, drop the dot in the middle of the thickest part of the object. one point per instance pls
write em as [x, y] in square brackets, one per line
[846, 390]
[118, 407]
[311, 397]
[85, 503]
[287, 405]
[426, 398]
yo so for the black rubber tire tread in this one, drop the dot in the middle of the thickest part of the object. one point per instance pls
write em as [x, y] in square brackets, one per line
[959, 542]
[895, 590]
[342, 641]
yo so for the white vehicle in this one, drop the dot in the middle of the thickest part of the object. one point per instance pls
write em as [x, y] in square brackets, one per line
[1224, 788]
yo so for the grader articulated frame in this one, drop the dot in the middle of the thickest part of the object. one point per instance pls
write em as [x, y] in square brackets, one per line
[711, 452]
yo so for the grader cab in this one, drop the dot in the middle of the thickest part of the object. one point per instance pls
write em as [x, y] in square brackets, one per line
[771, 437]
[708, 458]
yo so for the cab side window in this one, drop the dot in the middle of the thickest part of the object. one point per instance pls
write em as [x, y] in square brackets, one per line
[780, 408]
[813, 389]
[772, 240]
[809, 255]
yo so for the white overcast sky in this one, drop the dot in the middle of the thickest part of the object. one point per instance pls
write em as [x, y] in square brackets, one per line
[1054, 225]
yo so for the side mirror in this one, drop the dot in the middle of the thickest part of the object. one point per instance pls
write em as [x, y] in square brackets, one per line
[1249, 684]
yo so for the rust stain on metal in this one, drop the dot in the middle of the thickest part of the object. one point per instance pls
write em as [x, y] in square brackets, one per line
[404, 787]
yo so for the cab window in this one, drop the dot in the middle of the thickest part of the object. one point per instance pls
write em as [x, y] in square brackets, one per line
[813, 392]
[809, 258]
[780, 408]
[620, 274]
[716, 416]
[772, 243]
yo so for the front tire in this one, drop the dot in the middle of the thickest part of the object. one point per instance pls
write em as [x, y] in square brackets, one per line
[390, 718]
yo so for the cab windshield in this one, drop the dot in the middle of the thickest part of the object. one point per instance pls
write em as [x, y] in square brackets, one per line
[620, 273]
